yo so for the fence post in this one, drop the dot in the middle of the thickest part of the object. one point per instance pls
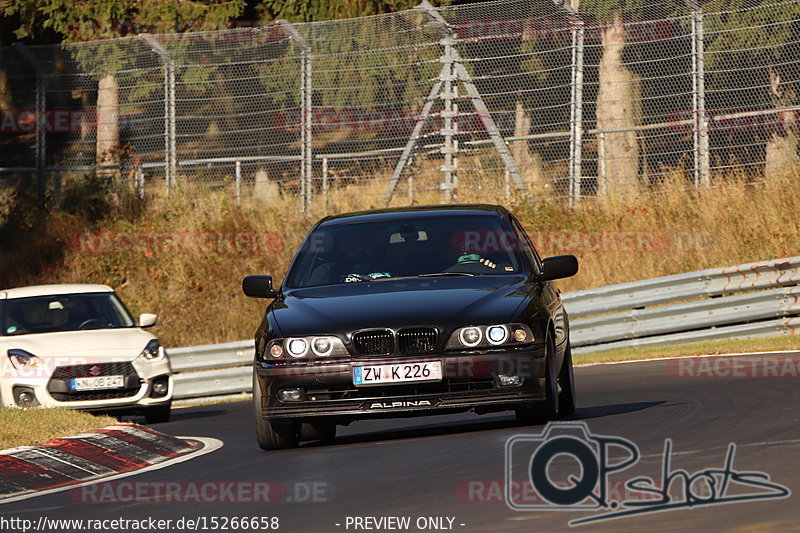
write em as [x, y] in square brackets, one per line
[138, 178]
[700, 122]
[447, 77]
[173, 139]
[457, 72]
[508, 186]
[238, 183]
[307, 131]
[170, 147]
[306, 89]
[601, 163]
[411, 184]
[576, 114]
[325, 181]
[41, 131]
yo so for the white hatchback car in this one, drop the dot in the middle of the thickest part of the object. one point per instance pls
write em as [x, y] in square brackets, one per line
[77, 346]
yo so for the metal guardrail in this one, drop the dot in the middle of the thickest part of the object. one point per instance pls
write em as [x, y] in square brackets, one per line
[717, 303]
[212, 369]
[705, 283]
[684, 317]
[744, 301]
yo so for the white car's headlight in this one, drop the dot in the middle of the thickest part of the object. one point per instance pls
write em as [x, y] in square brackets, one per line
[153, 352]
[22, 360]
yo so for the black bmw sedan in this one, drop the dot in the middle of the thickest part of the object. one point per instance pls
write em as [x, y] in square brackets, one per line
[411, 311]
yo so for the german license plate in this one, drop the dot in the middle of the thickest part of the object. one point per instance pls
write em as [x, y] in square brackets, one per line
[97, 383]
[397, 373]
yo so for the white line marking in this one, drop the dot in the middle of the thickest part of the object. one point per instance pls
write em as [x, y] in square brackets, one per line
[209, 445]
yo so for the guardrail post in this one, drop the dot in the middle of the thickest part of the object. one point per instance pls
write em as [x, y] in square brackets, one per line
[700, 123]
[170, 147]
[41, 131]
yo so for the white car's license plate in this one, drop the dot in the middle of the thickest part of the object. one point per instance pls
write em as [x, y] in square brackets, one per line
[397, 373]
[97, 383]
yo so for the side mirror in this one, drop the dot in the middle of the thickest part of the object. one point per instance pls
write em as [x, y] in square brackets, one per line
[147, 320]
[558, 267]
[258, 287]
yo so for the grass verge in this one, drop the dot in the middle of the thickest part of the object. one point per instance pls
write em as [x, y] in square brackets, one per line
[727, 346]
[30, 427]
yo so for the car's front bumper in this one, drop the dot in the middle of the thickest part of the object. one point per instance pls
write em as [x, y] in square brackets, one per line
[471, 381]
[53, 391]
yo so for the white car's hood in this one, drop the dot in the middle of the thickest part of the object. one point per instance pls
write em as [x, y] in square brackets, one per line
[123, 343]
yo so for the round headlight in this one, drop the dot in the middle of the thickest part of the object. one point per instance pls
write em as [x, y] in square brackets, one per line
[520, 335]
[276, 350]
[297, 347]
[322, 346]
[471, 337]
[497, 334]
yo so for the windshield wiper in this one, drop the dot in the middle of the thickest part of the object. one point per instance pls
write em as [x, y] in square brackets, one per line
[441, 274]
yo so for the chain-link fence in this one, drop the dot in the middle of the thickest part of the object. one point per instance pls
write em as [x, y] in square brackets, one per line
[467, 103]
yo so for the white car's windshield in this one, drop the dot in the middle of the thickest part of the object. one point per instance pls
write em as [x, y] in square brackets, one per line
[63, 312]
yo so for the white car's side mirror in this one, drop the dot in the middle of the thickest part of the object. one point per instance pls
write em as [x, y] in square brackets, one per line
[147, 320]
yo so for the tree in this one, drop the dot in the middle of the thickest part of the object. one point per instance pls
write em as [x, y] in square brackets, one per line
[115, 61]
[752, 56]
[315, 10]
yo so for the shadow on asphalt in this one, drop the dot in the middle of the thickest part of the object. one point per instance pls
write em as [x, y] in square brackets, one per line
[445, 428]
[599, 411]
[479, 425]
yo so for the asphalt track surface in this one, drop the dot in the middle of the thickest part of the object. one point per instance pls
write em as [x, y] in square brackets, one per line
[423, 467]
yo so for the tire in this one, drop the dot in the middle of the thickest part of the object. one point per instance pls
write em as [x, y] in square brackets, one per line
[551, 402]
[324, 432]
[566, 381]
[158, 414]
[272, 435]
[549, 410]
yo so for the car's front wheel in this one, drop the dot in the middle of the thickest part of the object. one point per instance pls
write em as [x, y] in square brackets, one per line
[566, 382]
[549, 410]
[272, 435]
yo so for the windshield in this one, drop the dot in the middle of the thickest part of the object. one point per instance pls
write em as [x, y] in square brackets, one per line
[443, 246]
[63, 312]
